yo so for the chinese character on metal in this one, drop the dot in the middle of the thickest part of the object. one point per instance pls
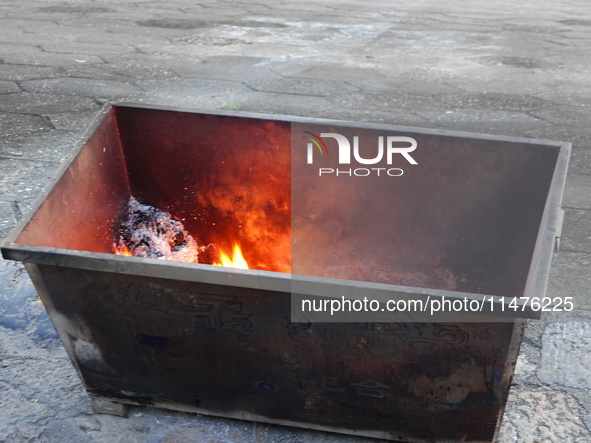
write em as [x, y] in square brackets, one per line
[370, 389]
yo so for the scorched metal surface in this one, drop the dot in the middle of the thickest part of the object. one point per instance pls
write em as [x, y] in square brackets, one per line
[214, 340]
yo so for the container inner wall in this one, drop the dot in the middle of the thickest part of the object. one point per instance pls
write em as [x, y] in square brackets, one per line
[225, 178]
[86, 202]
[465, 218]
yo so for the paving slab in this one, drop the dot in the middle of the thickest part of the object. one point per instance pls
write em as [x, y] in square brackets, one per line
[497, 101]
[11, 48]
[7, 87]
[568, 277]
[561, 340]
[580, 161]
[76, 122]
[50, 146]
[151, 66]
[563, 114]
[239, 68]
[74, 9]
[558, 417]
[48, 59]
[99, 89]
[12, 125]
[24, 179]
[25, 72]
[583, 396]
[392, 100]
[32, 103]
[301, 86]
[96, 72]
[579, 136]
[196, 93]
[476, 120]
[8, 219]
[577, 193]
[287, 104]
[576, 231]
[34, 320]
[88, 48]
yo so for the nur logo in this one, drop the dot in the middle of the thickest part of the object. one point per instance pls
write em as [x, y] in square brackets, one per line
[387, 148]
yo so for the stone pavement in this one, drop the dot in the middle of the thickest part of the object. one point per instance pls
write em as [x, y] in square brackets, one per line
[499, 67]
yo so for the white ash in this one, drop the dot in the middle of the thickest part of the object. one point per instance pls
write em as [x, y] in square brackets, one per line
[149, 232]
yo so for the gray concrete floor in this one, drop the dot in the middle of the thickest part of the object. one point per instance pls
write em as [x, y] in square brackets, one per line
[499, 67]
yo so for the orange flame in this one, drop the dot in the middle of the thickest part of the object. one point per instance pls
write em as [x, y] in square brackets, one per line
[121, 249]
[236, 261]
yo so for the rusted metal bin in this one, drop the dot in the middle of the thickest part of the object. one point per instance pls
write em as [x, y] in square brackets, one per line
[473, 217]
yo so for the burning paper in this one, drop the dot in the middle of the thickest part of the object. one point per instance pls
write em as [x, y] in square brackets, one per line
[149, 232]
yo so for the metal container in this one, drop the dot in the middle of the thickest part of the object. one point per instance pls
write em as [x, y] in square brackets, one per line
[476, 218]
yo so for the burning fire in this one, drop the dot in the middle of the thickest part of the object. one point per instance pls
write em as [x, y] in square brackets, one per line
[236, 261]
[152, 233]
[121, 249]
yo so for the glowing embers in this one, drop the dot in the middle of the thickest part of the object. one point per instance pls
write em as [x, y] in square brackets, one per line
[146, 231]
